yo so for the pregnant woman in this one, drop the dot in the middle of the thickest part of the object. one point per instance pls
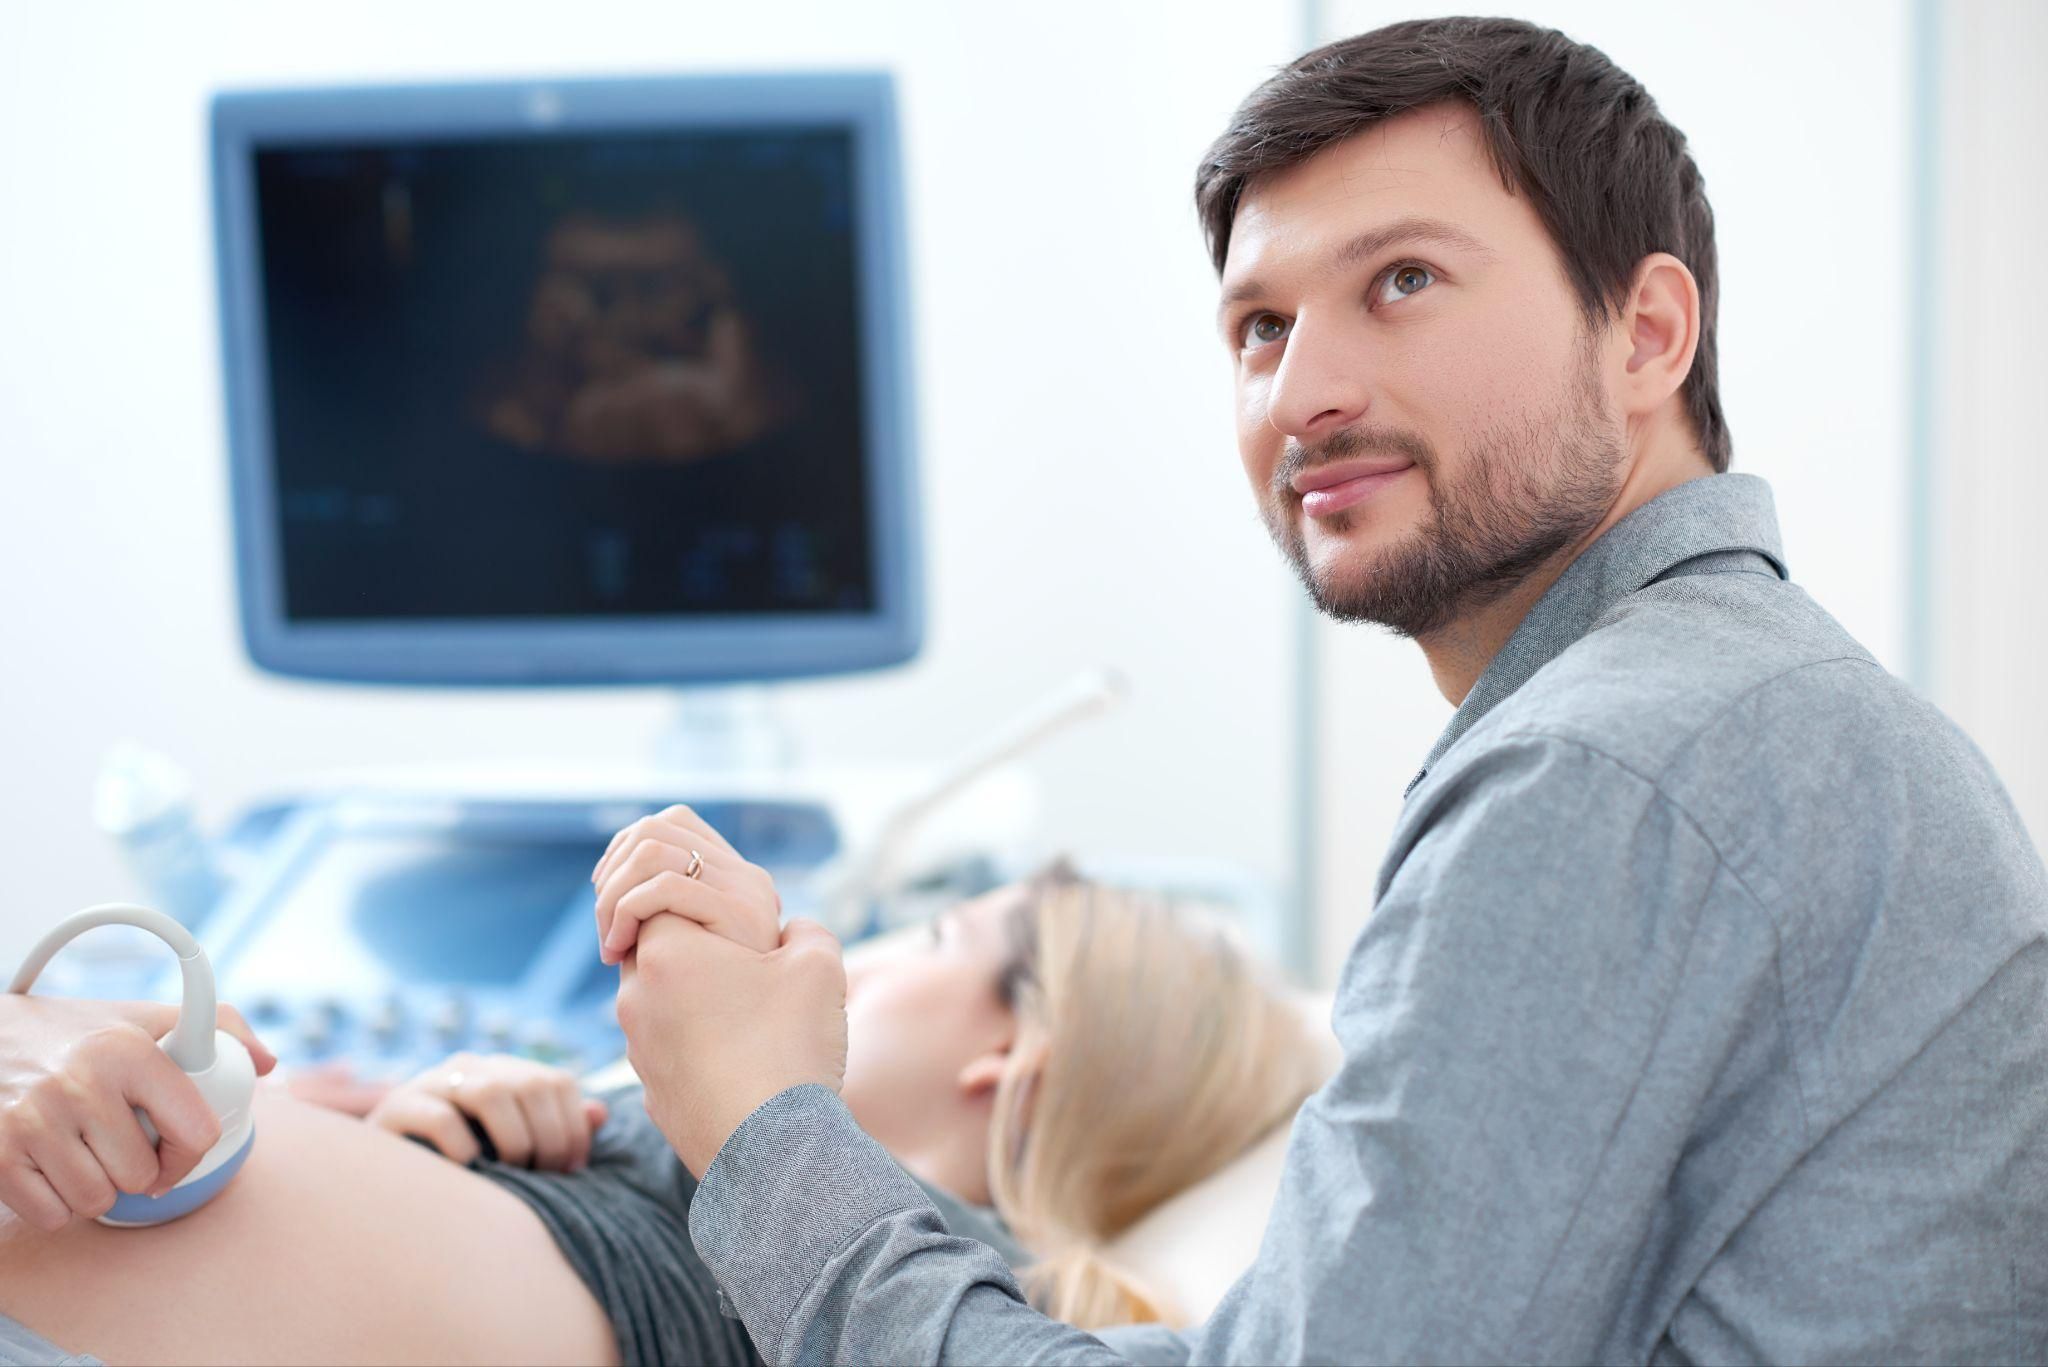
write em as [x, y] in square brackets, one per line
[1051, 1062]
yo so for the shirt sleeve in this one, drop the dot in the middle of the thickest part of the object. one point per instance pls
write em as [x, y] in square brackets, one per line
[830, 1252]
[1471, 1186]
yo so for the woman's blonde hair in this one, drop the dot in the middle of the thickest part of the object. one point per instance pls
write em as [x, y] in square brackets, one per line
[1150, 1052]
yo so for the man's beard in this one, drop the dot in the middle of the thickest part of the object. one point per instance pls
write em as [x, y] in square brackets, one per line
[1528, 490]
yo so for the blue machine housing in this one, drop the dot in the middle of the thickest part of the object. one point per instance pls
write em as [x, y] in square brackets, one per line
[392, 930]
[587, 649]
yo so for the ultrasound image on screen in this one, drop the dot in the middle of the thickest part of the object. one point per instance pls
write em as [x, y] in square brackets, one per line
[600, 375]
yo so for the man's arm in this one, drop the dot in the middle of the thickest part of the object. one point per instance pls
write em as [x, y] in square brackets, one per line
[1528, 1021]
[830, 1253]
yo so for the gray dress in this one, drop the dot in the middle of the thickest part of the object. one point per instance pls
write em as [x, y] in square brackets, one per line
[623, 1224]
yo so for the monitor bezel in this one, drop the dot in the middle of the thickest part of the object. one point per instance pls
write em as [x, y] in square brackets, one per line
[545, 651]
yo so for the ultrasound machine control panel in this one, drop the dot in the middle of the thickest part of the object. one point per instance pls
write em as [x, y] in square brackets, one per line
[392, 932]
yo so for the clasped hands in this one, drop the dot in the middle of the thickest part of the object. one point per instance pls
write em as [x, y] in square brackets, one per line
[722, 1006]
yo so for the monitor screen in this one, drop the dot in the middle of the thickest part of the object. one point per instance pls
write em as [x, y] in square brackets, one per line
[585, 375]
[608, 397]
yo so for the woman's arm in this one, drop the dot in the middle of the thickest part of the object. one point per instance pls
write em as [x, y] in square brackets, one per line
[336, 1242]
[497, 1106]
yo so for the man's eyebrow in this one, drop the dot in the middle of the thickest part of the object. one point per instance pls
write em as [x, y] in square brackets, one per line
[1372, 242]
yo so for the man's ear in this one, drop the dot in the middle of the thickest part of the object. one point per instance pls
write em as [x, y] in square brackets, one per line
[1661, 320]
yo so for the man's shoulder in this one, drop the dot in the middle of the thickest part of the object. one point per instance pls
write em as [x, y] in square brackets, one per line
[1810, 768]
[1704, 661]
[1864, 824]
[1738, 700]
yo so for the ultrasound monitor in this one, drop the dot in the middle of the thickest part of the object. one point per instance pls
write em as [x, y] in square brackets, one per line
[569, 382]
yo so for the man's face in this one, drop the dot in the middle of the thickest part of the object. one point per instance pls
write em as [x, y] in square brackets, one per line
[1421, 411]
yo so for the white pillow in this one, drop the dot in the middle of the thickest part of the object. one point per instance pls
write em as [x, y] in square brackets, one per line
[1192, 1248]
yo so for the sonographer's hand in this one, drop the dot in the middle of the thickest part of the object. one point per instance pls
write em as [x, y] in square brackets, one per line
[533, 1115]
[674, 863]
[71, 1075]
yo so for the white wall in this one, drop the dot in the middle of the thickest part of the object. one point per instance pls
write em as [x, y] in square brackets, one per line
[1800, 119]
[1083, 500]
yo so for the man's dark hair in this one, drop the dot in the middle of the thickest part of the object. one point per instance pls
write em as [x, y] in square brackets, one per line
[1609, 177]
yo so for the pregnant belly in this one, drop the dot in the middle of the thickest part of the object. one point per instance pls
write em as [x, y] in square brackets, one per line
[336, 1243]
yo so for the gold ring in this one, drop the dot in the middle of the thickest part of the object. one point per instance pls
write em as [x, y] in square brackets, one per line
[696, 869]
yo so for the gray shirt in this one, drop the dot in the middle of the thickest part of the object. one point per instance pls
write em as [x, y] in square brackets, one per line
[622, 1221]
[1702, 1015]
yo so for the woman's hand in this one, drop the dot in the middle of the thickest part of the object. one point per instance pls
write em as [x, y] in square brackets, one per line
[535, 1115]
[673, 862]
[72, 1074]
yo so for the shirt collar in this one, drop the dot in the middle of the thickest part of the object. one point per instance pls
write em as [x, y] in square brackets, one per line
[1711, 515]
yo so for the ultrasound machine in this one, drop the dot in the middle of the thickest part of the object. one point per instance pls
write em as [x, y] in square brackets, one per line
[563, 383]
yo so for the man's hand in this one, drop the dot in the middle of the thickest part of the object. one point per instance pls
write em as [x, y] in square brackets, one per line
[534, 1115]
[71, 1074]
[722, 1007]
[715, 1028]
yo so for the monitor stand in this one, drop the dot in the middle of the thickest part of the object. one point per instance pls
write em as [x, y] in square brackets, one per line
[727, 731]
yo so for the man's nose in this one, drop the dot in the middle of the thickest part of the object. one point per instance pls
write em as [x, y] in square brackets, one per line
[1320, 385]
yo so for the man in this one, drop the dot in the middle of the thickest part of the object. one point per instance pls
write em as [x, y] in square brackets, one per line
[1703, 1011]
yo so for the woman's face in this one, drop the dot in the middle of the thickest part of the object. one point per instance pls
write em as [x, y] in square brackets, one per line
[927, 1033]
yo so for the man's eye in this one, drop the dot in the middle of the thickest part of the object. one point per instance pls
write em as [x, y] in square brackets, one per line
[1403, 281]
[1264, 329]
